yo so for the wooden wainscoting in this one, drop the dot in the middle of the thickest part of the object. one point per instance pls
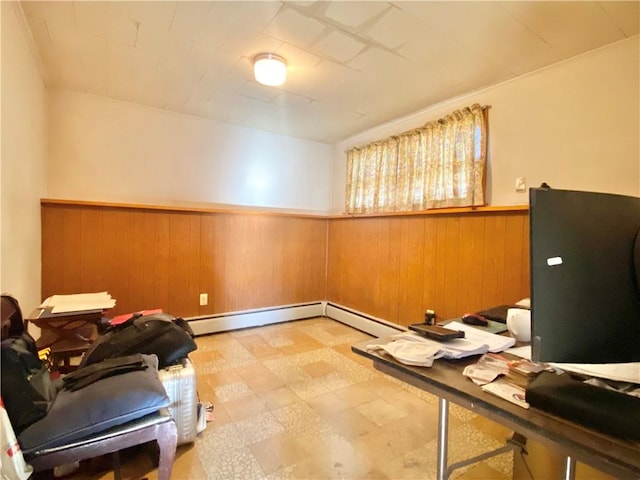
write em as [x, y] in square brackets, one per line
[163, 258]
[394, 267]
[390, 267]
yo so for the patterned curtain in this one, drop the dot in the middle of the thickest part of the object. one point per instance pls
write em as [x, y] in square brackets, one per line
[439, 165]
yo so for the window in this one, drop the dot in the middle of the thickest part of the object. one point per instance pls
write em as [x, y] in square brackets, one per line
[441, 164]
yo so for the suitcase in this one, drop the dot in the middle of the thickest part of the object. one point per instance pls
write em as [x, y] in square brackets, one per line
[180, 383]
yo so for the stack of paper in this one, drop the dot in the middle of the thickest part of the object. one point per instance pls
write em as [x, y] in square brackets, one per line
[457, 348]
[79, 302]
[621, 372]
[476, 342]
[495, 343]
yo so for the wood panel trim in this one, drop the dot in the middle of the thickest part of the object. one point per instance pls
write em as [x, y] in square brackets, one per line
[439, 211]
[239, 209]
[186, 207]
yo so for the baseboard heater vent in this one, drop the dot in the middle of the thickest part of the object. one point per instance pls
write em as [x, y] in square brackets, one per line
[254, 318]
[366, 323]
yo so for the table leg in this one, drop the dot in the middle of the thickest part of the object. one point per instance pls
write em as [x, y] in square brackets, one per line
[570, 468]
[443, 427]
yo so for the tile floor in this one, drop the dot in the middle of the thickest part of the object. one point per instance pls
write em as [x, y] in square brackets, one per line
[293, 402]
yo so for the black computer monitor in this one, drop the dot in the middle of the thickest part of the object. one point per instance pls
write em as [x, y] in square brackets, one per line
[585, 268]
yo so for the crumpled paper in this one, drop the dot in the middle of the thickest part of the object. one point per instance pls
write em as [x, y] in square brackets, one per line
[410, 352]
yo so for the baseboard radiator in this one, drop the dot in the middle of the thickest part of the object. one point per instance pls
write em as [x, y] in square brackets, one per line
[254, 318]
[366, 323]
[224, 322]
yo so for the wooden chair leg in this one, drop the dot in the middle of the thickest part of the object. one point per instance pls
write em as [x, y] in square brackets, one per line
[117, 474]
[167, 442]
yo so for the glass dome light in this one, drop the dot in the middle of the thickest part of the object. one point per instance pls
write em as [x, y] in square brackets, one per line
[270, 69]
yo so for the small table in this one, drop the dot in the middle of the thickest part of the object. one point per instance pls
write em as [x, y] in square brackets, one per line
[578, 443]
[66, 334]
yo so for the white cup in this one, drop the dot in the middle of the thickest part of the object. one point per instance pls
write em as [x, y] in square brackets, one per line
[519, 324]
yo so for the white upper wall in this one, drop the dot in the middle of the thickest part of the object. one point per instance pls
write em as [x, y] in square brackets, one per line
[574, 125]
[23, 158]
[109, 150]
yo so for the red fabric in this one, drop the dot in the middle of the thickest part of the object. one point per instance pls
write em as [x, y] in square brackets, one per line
[124, 317]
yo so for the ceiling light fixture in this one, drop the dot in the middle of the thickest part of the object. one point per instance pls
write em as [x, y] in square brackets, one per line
[270, 69]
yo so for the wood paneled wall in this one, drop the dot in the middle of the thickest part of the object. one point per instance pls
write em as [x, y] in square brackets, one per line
[148, 258]
[389, 267]
[396, 267]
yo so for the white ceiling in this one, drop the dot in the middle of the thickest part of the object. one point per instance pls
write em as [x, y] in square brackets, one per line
[351, 65]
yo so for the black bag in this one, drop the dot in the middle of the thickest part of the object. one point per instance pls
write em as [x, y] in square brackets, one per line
[110, 367]
[27, 389]
[169, 338]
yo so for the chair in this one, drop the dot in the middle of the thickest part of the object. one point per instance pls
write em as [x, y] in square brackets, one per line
[157, 426]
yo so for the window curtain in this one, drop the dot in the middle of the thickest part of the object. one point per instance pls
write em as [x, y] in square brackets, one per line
[441, 164]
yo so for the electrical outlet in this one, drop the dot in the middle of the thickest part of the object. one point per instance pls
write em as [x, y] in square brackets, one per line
[204, 299]
[521, 185]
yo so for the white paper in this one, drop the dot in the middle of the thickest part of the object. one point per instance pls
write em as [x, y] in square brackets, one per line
[507, 391]
[522, 352]
[495, 343]
[621, 372]
[456, 348]
[79, 302]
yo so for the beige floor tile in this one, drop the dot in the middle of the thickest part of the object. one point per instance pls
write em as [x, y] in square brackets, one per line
[351, 424]
[277, 452]
[307, 469]
[381, 386]
[231, 392]
[301, 421]
[216, 379]
[382, 412]
[480, 471]
[327, 404]
[355, 395]
[378, 447]
[264, 351]
[491, 428]
[249, 336]
[337, 457]
[187, 465]
[394, 440]
[244, 407]
[413, 465]
[318, 369]
[259, 378]
[277, 398]
[258, 427]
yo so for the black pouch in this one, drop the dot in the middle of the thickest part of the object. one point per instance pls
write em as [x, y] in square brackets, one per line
[608, 411]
